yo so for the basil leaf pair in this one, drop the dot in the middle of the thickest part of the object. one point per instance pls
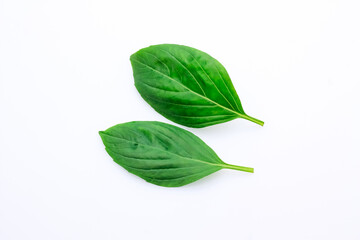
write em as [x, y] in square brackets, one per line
[188, 87]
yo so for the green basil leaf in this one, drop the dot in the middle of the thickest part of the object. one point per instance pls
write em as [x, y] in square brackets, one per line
[186, 86]
[162, 154]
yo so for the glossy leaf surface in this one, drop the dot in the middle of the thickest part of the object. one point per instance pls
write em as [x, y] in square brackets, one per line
[186, 86]
[162, 154]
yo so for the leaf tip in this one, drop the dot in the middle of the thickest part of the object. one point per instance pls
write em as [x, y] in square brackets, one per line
[131, 57]
[101, 133]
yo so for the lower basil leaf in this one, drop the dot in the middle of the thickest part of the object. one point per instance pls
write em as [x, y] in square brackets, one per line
[162, 154]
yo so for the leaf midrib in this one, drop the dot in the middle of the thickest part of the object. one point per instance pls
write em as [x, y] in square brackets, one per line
[214, 82]
[158, 149]
[192, 75]
[239, 114]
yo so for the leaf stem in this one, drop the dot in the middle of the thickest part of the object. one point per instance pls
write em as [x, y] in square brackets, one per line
[239, 168]
[252, 119]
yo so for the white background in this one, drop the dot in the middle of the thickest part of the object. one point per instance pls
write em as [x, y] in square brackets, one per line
[65, 74]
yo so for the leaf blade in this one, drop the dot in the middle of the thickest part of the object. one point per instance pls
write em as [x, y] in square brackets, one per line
[160, 153]
[169, 73]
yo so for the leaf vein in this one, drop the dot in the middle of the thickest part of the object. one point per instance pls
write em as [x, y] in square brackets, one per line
[159, 149]
[159, 61]
[241, 115]
[212, 80]
[227, 87]
[185, 69]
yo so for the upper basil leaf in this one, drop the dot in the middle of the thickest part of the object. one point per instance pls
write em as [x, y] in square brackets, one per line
[162, 154]
[186, 86]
